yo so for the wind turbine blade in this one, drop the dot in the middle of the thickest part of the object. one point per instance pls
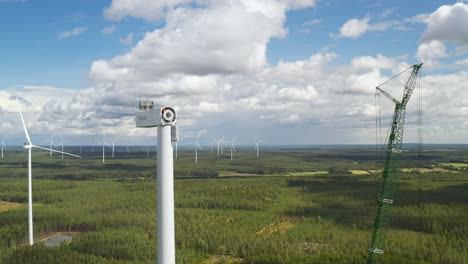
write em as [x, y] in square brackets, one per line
[22, 120]
[234, 140]
[198, 145]
[233, 147]
[52, 140]
[66, 153]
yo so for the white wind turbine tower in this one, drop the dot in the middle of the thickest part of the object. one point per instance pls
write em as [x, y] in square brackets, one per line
[51, 143]
[113, 147]
[220, 141]
[222, 145]
[213, 143]
[197, 146]
[29, 146]
[104, 144]
[176, 146]
[257, 146]
[232, 146]
[3, 145]
[61, 144]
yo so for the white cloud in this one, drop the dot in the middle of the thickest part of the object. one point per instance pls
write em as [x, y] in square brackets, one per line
[448, 23]
[462, 62]
[419, 18]
[298, 94]
[354, 28]
[378, 62]
[429, 52]
[308, 25]
[224, 38]
[149, 10]
[364, 83]
[153, 10]
[209, 63]
[108, 30]
[71, 33]
[301, 70]
[313, 22]
[127, 40]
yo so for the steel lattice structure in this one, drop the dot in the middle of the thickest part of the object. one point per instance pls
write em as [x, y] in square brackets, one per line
[392, 165]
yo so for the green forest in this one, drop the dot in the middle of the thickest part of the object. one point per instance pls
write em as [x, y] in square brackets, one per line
[291, 205]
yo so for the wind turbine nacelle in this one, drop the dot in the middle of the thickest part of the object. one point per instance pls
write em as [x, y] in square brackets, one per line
[153, 117]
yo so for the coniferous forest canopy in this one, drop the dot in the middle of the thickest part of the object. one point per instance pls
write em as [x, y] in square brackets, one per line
[291, 205]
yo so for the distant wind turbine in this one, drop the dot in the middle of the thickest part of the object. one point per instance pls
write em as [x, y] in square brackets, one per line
[113, 148]
[104, 144]
[176, 146]
[3, 145]
[222, 145]
[51, 143]
[61, 144]
[197, 146]
[257, 146]
[220, 141]
[233, 148]
[214, 142]
[29, 146]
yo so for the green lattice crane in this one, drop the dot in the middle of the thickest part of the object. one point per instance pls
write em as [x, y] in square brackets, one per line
[392, 165]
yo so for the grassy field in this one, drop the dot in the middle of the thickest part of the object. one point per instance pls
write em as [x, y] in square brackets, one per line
[308, 205]
[456, 165]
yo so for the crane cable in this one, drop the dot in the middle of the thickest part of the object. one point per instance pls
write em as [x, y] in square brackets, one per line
[420, 146]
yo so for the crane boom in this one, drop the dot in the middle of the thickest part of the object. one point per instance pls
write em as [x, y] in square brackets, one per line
[392, 165]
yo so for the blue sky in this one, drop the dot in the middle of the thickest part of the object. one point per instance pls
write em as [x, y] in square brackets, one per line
[32, 53]
[51, 49]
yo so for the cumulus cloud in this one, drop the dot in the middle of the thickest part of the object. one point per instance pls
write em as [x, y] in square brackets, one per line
[209, 63]
[378, 62]
[430, 51]
[448, 23]
[149, 10]
[72, 33]
[301, 70]
[226, 38]
[364, 83]
[152, 10]
[354, 28]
